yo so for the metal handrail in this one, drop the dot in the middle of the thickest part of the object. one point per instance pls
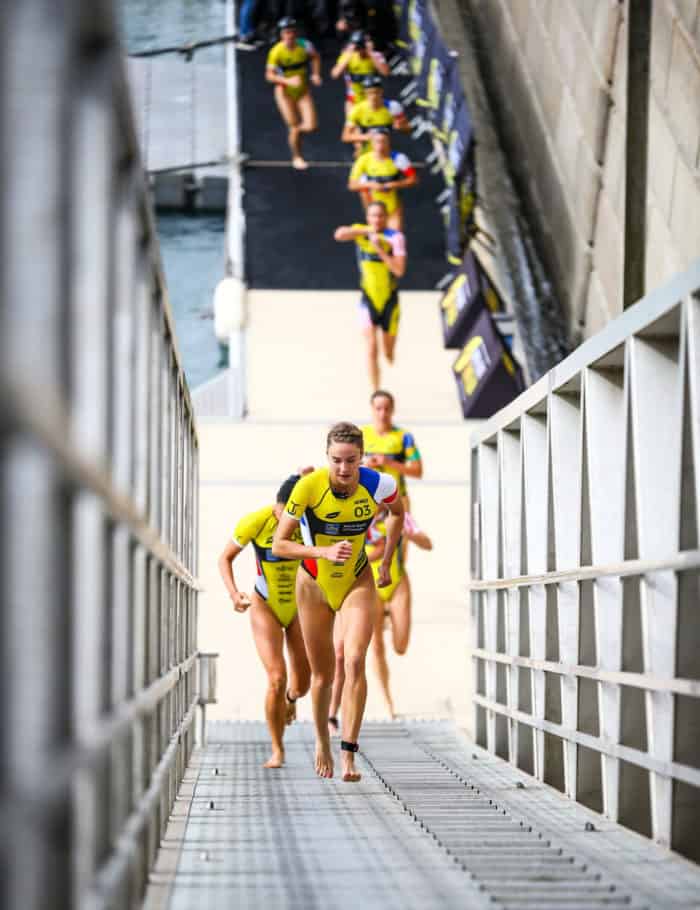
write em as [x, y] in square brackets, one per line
[99, 479]
[586, 571]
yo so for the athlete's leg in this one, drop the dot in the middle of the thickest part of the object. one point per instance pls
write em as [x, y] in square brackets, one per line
[389, 345]
[400, 610]
[339, 675]
[308, 122]
[317, 625]
[299, 670]
[290, 114]
[268, 636]
[370, 333]
[390, 326]
[358, 623]
[307, 113]
[379, 651]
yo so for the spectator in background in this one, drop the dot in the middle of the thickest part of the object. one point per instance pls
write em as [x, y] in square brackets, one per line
[248, 21]
[376, 17]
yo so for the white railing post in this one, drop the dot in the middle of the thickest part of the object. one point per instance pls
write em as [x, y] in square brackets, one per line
[599, 466]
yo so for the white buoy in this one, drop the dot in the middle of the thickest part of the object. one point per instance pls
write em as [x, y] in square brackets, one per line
[229, 308]
[230, 317]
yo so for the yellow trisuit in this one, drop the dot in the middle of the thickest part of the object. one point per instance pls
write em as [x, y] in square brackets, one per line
[294, 62]
[375, 534]
[397, 444]
[396, 166]
[327, 517]
[276, 581]
[364, 116]
[359, 67]
[379, 287]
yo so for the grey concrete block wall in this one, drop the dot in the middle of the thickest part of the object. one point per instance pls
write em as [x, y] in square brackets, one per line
[558, 69]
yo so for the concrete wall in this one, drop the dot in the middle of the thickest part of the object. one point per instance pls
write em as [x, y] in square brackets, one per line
[558, 69]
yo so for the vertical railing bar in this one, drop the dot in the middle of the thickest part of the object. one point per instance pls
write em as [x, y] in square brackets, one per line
[615, 451]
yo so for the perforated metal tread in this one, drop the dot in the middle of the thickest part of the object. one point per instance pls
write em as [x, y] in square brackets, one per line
[425, 827]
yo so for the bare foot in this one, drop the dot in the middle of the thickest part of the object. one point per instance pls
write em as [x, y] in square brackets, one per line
[291, 715]
[299, 164]
[350, 774]
[324, 759]
[333, 726]
[276, 760]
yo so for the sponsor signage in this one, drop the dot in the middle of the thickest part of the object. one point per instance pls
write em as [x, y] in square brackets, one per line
[469, 294]
[487, 376]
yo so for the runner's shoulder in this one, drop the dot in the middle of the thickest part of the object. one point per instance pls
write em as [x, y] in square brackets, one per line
[251, 525]
[402, 161]
[380, 486]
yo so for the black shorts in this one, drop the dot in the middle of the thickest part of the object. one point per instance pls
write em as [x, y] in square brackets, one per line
[388, 319]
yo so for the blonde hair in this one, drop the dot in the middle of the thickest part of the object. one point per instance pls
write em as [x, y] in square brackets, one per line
[345, 432]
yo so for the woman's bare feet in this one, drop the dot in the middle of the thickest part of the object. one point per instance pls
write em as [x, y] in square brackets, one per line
[324, 758]
[276, 760]
[350, 773]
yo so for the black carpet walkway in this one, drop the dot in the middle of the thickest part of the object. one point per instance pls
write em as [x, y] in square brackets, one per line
[291, 215]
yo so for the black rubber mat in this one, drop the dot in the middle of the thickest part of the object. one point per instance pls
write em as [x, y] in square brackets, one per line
[291, 216]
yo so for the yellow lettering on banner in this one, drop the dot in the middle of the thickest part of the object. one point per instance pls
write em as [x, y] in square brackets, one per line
[492, 301]
[508, 364]
[434, 84]
[464, 365]
[449, 303]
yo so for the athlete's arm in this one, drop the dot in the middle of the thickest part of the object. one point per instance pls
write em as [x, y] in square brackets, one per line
[355, 184]
[271, 75]
[410, 468]
[413, 468]
[410, 178]
[347, 232]
[241, 601]
[406, 170]
[376, 550]
[379, 60]
[395, 262]
[419, 538]
[394, 526]
[340, 66]
[401, 123]
[283, 545]
[352, 132]
[315, 66]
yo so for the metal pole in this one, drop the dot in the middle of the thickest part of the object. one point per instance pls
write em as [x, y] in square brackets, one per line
[637, 146]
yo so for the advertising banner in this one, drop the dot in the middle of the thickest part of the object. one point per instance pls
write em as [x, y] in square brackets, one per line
[436, 83]
[469, 294]
[487, 376]
[459, 215]
[485, 371]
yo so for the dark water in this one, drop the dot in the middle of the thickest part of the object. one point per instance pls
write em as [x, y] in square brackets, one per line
[158, 23]
[192, 246]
